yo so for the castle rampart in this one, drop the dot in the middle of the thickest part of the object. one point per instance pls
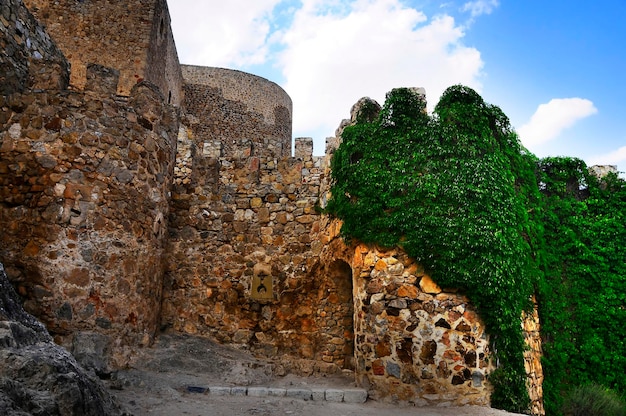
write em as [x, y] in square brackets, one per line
[237, 223]
[238, 110]
[84, 186]
[133, 37]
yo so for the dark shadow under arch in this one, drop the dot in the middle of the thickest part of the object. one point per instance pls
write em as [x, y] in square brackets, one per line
[341, 303]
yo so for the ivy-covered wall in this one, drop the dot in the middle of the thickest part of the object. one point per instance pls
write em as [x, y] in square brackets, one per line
[452, 191]
[458, 192]
[583, 292]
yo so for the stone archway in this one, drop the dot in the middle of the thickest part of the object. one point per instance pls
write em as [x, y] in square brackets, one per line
[336, 313]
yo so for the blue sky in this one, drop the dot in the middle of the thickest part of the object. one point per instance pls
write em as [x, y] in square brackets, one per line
[556, 68]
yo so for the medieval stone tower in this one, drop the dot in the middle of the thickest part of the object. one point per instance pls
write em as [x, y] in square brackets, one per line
[139, 195]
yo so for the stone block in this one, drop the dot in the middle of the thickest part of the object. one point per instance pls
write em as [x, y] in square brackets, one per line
[101, 79]
[393, 369]
[303, 148]
[258, 391]
[238, 391]
[398, 304]
[429, 286]
[304, 394]
[334, 395]
[219, 391]
[355, 396]
[432, 397]
[276, 391]
[318, 394]
[408, 291]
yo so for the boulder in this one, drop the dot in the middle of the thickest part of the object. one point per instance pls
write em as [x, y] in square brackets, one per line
[38, 377]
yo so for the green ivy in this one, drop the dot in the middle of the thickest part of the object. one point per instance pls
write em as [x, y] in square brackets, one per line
[583, 293]
[459, 194]
[454, 191]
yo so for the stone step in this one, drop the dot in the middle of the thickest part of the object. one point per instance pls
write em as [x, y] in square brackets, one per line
[315, 394]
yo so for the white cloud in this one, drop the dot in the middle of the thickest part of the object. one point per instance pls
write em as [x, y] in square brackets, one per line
[480, 7]
[552, 118]
[222, 33]
[616, 157]
[330, 52]
[331, 60]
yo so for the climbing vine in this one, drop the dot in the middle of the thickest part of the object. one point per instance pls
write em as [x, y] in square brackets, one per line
[583, 293]
[453, 190]
[459, 194]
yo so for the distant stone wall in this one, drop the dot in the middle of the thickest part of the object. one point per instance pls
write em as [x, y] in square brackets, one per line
[119, 35]
[29, 58]
[84, 185]
[239, 110]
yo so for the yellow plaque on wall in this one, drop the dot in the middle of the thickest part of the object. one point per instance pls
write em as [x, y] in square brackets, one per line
[261, 288]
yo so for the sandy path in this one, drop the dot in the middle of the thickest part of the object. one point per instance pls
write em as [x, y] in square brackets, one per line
[158, 386]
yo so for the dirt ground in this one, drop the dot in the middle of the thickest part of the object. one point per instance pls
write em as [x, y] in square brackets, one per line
[159, 385]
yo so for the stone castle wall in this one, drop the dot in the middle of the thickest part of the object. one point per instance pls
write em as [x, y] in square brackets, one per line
[413, 341]
[247, 115]
[163, 67]
[118, 35]
[84, 185]
[123, 214]
[235, 221]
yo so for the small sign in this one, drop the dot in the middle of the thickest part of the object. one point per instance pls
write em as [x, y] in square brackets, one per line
[262, 287]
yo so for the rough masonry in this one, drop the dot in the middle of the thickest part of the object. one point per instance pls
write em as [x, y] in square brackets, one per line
[138, 195]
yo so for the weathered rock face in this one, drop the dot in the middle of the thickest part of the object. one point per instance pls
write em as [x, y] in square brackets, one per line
[38, 377]
[11, 311]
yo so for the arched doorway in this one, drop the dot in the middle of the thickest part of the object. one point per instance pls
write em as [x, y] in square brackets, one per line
[336, 314]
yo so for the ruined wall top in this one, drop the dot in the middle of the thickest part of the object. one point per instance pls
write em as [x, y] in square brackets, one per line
[133, 37]
[600, 171]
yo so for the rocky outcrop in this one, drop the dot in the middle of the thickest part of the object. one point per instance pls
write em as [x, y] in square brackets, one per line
[37, 377]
